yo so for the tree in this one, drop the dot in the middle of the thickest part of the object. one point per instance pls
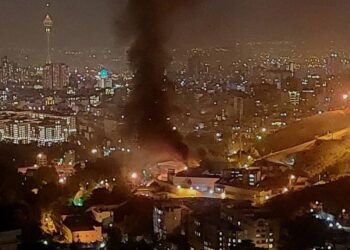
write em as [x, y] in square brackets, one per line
[45, 175]
[305, 232]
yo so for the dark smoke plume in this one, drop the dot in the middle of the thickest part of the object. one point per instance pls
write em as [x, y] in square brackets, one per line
[149, 24]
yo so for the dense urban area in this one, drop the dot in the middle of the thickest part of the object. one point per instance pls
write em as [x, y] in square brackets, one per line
[243, 146]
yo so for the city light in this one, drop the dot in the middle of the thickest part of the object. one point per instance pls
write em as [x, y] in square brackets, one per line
[213, 129]
[62, 180]
[223, 195]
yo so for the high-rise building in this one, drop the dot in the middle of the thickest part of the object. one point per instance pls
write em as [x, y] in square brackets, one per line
[8, 70]
[294, 97]
[40, 128]
[48, 23]
[238, 106]
[50, 133]
[194, 66]
[334, 64]
[103, 79]
[55, 76]
[18, 131]
[167, 219]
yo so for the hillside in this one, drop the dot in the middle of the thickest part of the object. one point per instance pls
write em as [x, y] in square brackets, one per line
[334, 196]
[305, 130]
[333, 156]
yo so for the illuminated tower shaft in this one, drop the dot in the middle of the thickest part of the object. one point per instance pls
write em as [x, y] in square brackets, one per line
[48, 27]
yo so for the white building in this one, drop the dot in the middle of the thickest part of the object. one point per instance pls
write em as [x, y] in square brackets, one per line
[167, 219]
[82, 229]
[30, 127]
[197, 178]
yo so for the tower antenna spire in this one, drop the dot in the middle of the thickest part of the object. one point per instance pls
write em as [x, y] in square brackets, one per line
[48, 23]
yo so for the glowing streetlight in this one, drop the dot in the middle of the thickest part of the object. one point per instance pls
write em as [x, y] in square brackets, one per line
[62, 180]
[133, 175]
[94, 151]
[263, 130]
[345, 96]
[223, 195]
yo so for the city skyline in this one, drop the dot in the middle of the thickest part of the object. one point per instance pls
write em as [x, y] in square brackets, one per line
[174, 124]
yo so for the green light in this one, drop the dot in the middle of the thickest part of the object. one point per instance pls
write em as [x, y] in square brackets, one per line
[103, 73]
[79, 202]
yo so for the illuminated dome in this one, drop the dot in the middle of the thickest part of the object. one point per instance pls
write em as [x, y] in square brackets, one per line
[103, 73]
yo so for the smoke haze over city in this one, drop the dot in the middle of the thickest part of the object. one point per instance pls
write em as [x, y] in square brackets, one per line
[214, 23]
[174, 124]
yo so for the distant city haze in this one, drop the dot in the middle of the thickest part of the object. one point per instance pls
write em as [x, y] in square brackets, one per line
[90, 23]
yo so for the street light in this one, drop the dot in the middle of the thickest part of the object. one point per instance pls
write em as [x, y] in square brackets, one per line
[133, 175]
[62, 180]
[345, 96]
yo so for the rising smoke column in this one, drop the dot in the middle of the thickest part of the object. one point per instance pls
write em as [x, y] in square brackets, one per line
[149, 23]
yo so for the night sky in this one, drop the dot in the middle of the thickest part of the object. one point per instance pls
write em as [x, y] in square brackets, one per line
[89, 23]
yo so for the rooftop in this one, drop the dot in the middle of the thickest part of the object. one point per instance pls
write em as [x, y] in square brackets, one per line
[80, 223]
[199, 172]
